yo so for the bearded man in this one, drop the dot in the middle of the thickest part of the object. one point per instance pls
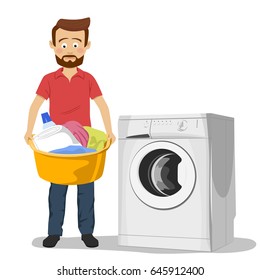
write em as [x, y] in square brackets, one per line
[69, 90]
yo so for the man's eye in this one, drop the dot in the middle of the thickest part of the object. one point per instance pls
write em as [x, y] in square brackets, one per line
[75, 45]
[64, 45]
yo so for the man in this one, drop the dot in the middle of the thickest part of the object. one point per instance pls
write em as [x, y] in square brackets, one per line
[69, 91]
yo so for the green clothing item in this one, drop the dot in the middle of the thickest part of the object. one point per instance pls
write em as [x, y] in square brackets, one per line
[97, 138]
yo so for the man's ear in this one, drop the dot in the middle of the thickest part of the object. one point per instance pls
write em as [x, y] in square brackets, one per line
[88, 45]
[51, 44]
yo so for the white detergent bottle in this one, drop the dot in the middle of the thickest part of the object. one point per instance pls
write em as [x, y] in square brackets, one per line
[54, 136]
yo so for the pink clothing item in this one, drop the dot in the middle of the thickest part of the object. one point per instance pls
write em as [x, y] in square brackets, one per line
[78, 131]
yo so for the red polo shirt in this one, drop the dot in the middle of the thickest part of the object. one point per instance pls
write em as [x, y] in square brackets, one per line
[69, 100]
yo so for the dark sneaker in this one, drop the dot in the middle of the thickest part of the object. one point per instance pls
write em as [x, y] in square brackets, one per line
[89, 240]
[51, 241]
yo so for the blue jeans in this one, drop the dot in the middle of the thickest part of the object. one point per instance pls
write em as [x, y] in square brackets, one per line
[57, 201]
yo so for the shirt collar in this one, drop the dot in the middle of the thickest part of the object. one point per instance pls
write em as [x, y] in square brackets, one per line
[59, 73]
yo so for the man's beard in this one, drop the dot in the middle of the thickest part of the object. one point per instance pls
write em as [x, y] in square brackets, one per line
[69, 63]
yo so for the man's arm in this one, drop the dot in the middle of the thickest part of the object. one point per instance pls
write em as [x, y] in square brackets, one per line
[36, 104]
[102, 105]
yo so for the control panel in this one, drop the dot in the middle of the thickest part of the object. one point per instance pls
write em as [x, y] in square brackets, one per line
[163, 128]
[179, 128]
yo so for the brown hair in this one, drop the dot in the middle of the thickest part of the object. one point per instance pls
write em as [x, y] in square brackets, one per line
[71, 25]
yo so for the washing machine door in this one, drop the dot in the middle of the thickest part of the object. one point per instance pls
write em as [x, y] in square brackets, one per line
[162, 175]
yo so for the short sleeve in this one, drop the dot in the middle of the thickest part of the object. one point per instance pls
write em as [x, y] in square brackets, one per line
[94, 88]
[44, 88]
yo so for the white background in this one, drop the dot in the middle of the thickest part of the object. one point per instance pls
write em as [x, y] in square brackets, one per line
[149, 57]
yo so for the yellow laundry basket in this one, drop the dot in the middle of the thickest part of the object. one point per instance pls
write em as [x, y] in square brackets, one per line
[70, 169]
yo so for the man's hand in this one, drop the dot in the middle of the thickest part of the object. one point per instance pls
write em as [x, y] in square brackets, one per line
[112, 137]
[27, 137]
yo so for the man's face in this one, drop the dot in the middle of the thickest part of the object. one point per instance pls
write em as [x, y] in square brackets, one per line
[69, 47]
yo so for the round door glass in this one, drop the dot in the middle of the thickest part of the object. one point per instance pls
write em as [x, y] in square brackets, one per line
[162, 175]
[158, 172]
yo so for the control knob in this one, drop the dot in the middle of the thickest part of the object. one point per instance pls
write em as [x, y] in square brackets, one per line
[182, 125]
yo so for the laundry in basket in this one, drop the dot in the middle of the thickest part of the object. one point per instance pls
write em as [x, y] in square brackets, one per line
[73, 150]
[53, 138]
[70, 138]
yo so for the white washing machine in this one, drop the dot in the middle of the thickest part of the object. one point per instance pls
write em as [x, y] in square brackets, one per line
[176, 181]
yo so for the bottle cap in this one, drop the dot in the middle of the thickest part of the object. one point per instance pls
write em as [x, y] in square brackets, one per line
[46, 118]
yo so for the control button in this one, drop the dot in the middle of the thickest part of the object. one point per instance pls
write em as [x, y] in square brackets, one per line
[182, 125]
